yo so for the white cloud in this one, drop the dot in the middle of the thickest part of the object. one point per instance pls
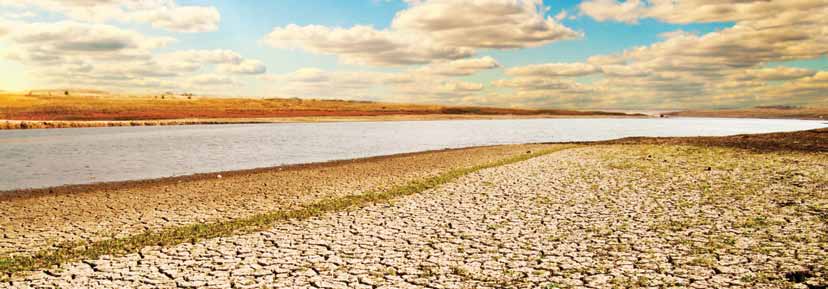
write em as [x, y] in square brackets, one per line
[603, 10]
[727, 67]
[461, 86]
[317, 83]
[183, 19]
[778, 73]
[688, 11]
[554, 70]
[363, 44]
[427, 31]
[37, 40]
[406, 86]
[461, 67]
[214, 56]
[244, 67]
[483, 23]
[538, 83]
[211, 80]
[164, 14]
[624, 71]
[71, 54]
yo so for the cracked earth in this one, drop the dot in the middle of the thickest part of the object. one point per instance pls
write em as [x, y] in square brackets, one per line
[590, 217]
[32, 224]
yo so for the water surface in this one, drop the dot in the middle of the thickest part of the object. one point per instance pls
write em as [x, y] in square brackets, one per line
[52, 157]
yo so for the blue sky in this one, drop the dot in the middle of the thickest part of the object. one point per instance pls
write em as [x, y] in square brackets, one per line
[602, 53]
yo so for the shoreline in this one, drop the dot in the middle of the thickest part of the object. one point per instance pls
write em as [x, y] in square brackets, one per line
[135, 207]
[29, 193]
[8, 124]
[55, 124]
[803, 113]
[807, 141]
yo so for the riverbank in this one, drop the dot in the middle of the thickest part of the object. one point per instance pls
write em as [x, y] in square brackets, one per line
[694, 212]
[50, 124]
[65, 109]
[47, 218]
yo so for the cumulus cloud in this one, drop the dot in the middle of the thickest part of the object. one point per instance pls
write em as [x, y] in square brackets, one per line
[461, 86]
[363, 44]
[483, 23]
[317, 83]
[603, 10]
[164, 14]
[406, 86]
[211, 80]
[244, 67]
[778, 73]
[688, 11]
[183, 19]
[727, 67]
[438, 40]
[70, 53]
[624, 71]
[433, 30]
[214, 56]
[461, 67]
[554, 70]
[49, 42]
[305, 75]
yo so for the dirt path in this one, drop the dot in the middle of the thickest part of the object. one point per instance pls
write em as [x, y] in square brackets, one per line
[591, 217]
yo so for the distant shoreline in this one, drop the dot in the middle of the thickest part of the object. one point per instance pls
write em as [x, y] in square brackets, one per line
[804, 113]
[52, 124]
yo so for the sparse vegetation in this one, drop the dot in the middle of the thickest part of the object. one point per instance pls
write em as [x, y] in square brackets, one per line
[101, 107]
[193, 233]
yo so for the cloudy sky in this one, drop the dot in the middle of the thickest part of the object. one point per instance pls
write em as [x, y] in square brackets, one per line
[531, 53]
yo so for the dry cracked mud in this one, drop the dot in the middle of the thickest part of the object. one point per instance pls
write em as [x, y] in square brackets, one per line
[31, 223]
[591, 217]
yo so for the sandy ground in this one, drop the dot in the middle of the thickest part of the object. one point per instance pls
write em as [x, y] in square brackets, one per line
[623, 216]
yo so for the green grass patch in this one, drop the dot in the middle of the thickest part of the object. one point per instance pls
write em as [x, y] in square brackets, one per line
[71, 252]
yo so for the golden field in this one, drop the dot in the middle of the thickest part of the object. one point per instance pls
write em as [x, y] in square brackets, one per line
[59, 107]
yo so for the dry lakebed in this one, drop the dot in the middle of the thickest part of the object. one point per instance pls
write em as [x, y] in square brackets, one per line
[718, 212]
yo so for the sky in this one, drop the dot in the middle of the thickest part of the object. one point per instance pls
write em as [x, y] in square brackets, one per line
[634, 54]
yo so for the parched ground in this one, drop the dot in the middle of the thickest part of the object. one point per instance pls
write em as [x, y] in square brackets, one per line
[49, 218]
[597, 216]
